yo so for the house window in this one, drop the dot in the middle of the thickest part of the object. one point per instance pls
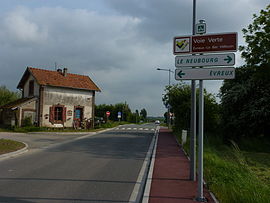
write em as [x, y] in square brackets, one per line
[58, 114]
[31, 87]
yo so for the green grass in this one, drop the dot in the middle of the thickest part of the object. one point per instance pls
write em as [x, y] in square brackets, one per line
[44, 129]
[259, 164]
[231, 179]
[10, 146]
[234, 175]
[2, 129]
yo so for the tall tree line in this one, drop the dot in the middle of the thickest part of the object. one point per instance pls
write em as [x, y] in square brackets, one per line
[245, 101]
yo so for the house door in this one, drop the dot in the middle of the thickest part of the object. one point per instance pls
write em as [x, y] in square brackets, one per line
[78, 116]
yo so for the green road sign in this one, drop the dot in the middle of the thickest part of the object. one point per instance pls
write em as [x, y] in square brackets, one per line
[205, 60]
[200, 28]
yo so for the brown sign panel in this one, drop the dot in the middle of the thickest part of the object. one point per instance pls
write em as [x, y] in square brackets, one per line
[214, 43]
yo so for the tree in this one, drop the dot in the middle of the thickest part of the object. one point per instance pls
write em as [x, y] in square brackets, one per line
[143, 114]
[137, 116]
[257, 36]
[178, 96]
[132, 117]
[245, 101]
[7, 96]
[100, 111]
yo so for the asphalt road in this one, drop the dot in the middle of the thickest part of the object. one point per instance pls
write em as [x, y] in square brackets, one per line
[100, 168]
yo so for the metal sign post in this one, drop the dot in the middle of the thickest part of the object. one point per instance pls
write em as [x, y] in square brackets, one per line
[192, 170]
[119, 115]
[107, 115]
[200, 196]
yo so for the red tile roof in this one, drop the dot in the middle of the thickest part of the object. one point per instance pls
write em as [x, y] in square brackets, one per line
[57, 79]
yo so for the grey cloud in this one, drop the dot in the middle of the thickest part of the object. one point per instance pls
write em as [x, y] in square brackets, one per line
[120, 50]
[68, 36]
[164, 19]
[161, 19]
[107, 47]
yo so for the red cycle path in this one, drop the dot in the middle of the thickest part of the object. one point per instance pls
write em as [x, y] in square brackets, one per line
[170, 180]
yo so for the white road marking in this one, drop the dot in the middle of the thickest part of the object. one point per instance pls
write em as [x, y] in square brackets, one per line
[129, 128]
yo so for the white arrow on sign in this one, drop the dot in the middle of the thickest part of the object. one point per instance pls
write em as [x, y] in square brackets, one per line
[205, 60]
[204, 73]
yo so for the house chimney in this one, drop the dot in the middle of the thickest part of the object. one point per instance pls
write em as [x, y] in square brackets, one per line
[65, 72]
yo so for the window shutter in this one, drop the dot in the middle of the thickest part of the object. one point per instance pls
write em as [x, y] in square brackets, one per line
[51, 117]
[64, 114]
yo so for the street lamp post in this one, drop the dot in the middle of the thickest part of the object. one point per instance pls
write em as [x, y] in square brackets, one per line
[168, 114]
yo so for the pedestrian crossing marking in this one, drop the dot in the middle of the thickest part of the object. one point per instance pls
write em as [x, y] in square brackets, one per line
[144, 129]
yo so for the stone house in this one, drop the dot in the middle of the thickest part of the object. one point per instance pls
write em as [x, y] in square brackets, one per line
[52, 99]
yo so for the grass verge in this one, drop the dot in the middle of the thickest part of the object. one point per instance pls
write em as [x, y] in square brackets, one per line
[230, 178]
[7, 146]
[234, 175]
[44, 129]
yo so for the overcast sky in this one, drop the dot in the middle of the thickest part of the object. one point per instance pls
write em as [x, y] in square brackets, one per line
[118, 43]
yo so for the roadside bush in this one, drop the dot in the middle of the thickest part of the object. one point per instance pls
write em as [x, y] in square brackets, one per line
[27, 122]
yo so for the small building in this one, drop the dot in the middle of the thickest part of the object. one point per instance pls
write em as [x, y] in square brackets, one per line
[52, 99]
